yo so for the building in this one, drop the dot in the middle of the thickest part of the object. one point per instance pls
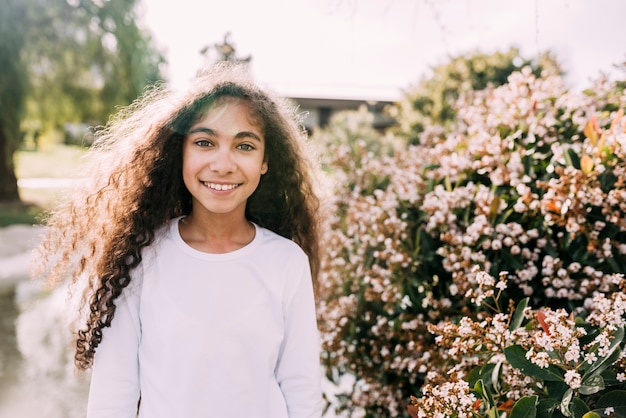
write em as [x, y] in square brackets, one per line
[319, 110]
[321, 101]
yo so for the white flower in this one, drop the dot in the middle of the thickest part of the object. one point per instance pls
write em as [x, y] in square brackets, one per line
[573, 379]
[541, 359]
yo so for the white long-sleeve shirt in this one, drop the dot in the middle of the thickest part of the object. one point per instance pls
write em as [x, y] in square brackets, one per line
[212, 335]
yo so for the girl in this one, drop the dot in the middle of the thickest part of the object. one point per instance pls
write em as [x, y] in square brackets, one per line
[197, 238]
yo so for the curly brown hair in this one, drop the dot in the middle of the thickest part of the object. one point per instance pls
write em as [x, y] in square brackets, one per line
[135, 186]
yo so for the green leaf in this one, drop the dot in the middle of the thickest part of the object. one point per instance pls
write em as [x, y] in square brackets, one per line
[607, 181]
[518, 315]
[567, 157]
[546, 407]
[593, 384]
[526, 407]
[556, 390]
[478, 375]
[493, 207]
[571, 158]
[578, 408]
[479, 387]
[483, 390]
[474, 374]
[615, 399]
[612, 356]
[493, 413]
[495, 376]
[516, 356]
[567, 398]
[571, 406]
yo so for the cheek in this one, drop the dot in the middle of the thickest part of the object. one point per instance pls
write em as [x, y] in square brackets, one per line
[189, 167]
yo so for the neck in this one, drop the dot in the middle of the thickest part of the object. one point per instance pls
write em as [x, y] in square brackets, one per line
[216, 234]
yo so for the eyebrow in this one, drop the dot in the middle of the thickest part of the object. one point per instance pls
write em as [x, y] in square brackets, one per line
[209, 131]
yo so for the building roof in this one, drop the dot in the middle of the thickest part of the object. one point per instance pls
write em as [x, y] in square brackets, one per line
[339, 92]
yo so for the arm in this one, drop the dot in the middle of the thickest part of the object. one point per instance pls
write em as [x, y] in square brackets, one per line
[114, 391]
[298, 370]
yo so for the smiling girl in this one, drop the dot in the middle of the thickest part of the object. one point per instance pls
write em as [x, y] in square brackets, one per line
[195, 245]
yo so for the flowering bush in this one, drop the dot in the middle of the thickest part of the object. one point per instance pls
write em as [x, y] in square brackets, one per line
[525, 362]
[531, 180]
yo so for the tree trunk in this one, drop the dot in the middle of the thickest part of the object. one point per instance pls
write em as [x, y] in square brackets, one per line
[8, 180]
[13, 79]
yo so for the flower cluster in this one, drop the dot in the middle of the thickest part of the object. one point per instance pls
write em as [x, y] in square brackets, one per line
[530, 181]
[555, 358]
[450, 399]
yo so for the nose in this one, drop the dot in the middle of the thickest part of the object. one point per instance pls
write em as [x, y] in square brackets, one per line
[222, 161]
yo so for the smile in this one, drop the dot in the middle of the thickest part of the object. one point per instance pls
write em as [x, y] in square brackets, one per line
[220, 187]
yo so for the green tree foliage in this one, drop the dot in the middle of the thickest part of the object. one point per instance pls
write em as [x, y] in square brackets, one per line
[12, 90]
[67, 61]
[91, 54]
[351, 130]
[431, 101]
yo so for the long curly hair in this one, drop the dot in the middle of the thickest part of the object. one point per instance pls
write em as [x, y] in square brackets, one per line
[135, 186]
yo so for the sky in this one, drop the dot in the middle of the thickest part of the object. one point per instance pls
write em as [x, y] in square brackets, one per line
[376, 49]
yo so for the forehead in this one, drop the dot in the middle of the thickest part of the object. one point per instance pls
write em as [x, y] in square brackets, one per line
[221, 105]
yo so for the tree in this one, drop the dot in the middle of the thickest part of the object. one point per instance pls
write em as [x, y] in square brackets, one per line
[226, 51]
[83, 59]
[12, 90]
[432, 101]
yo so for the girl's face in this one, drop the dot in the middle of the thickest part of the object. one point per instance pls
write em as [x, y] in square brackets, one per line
[223, 159]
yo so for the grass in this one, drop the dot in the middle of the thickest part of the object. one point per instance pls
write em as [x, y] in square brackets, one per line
[50, 161]
[19, 213]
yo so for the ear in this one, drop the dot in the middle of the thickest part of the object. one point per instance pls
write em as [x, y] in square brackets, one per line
[264, 167]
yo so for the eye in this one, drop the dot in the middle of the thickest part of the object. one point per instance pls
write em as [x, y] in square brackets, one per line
[203, 143]
[245, 147]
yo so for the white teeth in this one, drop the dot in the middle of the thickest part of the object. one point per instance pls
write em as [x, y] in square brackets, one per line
[220, 187]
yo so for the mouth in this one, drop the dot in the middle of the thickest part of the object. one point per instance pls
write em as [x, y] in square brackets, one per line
[221, 187]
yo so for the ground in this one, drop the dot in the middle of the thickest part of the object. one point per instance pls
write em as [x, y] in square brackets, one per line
[16, 243]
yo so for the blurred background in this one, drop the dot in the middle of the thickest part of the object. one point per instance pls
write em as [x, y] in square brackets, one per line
[67, 65]
[364, 48]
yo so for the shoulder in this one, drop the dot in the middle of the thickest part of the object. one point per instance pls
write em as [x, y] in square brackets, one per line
[279, 254]
[284, 262]
[270, 240]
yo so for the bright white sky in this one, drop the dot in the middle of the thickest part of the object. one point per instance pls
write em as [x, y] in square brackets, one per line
[372, 49]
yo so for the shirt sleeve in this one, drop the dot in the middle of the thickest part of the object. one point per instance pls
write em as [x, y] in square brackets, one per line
[114, 389]
[298, 371]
